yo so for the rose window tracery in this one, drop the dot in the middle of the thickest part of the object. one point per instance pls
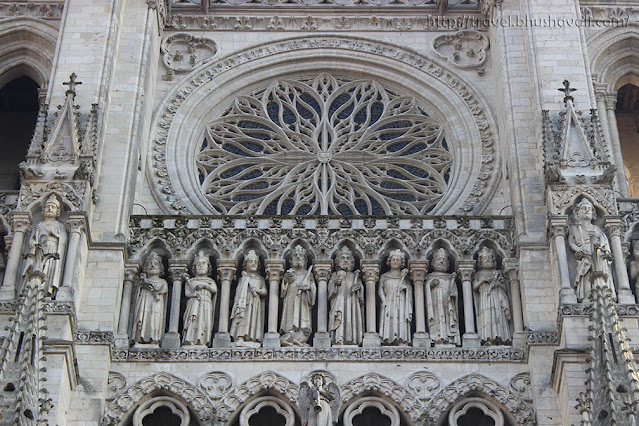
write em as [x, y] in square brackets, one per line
[324, 146]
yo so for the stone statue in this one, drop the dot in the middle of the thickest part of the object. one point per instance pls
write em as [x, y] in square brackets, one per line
[318, 402]
[346, 293]
[247, 315]
[396, 297]
[52, 236]
[442, 301]
[201, 292]
[150, 302]
[491, 301]
[299, 292]
[634, 264]
[584, 237]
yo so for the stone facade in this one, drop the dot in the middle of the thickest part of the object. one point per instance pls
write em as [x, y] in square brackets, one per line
[320, 212]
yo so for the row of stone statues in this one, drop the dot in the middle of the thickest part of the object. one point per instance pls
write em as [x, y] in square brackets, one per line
[346, 295]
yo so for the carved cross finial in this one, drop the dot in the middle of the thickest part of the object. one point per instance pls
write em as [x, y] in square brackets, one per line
[71, 83]
[567, 91]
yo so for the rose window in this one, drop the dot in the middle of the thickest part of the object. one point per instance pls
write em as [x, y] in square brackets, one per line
[324, 146]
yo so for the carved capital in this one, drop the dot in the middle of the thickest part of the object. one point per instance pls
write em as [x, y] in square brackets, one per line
[466, 269]
[613, 225]
[226, 270]
[178, 271]
[418, 270]
[511, 268]
[559, 225]
[76, 224]
[611, 100]
[274, 269]
[322, 269]
[20, 221]
[370, 271]
[131, 273]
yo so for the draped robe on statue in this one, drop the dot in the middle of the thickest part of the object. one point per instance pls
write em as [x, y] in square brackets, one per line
[150, 310]
[249, 309]
[492, 307]
[200, 310]
[346, 319]
[299, 293]
[581, 238]
[443, 324]
[397, 308]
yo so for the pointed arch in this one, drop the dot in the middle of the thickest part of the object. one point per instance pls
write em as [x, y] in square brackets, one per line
[268, 380]
[383, 386]
[125, 402]
[473, 384]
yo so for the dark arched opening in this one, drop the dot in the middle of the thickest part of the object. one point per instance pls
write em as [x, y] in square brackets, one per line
[18, 113]
[627, 114]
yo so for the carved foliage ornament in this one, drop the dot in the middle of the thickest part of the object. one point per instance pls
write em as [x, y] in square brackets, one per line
[183, 52]
[324, 145]
[464, 49]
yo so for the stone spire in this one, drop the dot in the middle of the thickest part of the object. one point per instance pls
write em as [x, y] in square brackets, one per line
[24, 400]
[612, 397]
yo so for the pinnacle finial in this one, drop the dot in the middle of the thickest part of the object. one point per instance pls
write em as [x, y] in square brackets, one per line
[567, 91]
[72, 83]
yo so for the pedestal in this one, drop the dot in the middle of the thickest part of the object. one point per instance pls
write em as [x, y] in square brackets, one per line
[322, 340]
[121, 341]
[222, 340]
[421, 340]
[519, 340]
[171, 340]
[371, 340]
[64, 294]
[271, 341]
[471, 340]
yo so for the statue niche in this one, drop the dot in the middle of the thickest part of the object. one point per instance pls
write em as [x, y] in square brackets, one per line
[201, 293]
[396, 297]
[298, 293]
[346, 293]
[491, 300]
[150, 302]
[51, 234]
[442, 301]
[247, 315]
[584, 238]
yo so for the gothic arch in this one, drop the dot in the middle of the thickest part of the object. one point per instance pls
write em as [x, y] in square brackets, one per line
[171, 175]
[125, 402]
[27, 47]
[383, 386]
[268, 380]
[615, 56]
[474, 383]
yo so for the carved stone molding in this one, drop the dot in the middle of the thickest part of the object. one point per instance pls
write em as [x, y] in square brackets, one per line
[94, 337]
[607, 13]
[411, 406]
[267, 380]
[464, 49]
[522, 385]
[183, 52]
[49, 10]
[115, 383]
[562, 197]
[387, 354]
[542, 338]
[117, 409]
[72, 193]
[512, 402]
[164, 188]
[215, 384]
[424, 384]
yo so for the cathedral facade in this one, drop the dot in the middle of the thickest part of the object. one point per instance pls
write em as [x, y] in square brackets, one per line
[319, 212]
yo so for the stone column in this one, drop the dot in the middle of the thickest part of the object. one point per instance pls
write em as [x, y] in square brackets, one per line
[622, 283]
[322, 270]
[418, 271]
[122, 338]
[20, 222]
[466, 270]
[370, 271]
[274, 272]
[559, 229]
[178, 273]
[226, 274]
[76, 226]
[511, 269]
[615, 142]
